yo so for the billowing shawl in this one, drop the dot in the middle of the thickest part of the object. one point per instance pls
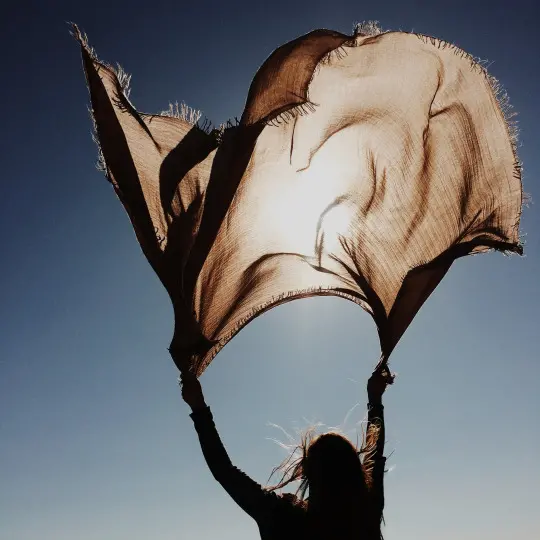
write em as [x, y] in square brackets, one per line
[362, 167]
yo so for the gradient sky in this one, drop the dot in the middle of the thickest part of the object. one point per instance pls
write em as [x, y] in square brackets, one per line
[95, 440]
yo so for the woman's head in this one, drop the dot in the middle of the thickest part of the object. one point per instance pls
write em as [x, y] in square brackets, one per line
[331, 464]
[327, 465]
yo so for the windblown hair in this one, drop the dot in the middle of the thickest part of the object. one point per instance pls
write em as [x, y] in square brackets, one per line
[293, 468]
[338, 471]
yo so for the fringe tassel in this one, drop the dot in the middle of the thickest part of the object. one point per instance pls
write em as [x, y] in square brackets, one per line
[367, 28]
[184, 112]
[181, 111]
[290, 114]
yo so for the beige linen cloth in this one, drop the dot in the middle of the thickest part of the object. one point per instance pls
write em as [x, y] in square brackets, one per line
[362, 167]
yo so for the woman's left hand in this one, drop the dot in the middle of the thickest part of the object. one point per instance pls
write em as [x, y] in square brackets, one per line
[378, 382]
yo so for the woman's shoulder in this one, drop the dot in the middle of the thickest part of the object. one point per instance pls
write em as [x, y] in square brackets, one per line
[294, 503]
[290, 515]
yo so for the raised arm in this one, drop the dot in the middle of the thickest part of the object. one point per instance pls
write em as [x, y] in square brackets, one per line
[248, 494]
[375, 431]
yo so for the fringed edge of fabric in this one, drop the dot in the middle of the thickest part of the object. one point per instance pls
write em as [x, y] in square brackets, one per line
[374, 29]
[82, 39]
[369, 28]
[452, 253]
[182, 111]
[508, 113]
[202, 364]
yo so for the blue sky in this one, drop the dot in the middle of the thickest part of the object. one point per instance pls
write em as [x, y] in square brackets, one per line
[95, 441]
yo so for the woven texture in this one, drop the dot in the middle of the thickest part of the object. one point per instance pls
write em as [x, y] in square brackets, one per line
[362, 167]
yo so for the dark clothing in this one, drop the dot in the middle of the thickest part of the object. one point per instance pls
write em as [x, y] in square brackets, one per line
[280, 516]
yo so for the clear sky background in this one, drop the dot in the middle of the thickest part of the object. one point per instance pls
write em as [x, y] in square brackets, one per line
[95, 440]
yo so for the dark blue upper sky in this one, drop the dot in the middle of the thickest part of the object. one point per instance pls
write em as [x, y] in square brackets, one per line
[94, 439]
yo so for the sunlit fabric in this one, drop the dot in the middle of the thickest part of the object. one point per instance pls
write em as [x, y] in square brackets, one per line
[362, 167]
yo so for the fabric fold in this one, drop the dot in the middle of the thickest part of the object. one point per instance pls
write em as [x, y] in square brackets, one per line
[362, 167]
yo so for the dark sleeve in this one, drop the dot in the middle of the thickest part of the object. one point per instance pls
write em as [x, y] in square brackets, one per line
[247, 493]
[376, 425]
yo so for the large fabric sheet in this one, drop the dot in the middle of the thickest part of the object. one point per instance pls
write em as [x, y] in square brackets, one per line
[362, 167]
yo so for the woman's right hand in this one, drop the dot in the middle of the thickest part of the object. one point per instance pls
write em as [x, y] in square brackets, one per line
[192, 391]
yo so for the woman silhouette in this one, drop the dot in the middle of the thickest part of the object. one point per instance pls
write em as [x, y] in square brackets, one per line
[346, 497]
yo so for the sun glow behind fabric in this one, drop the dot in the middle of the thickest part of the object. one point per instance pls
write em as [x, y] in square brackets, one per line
[431, 174]
[95, 441]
